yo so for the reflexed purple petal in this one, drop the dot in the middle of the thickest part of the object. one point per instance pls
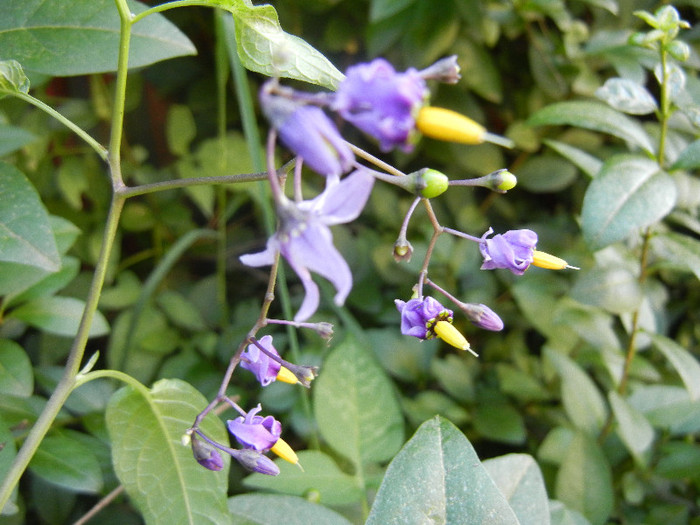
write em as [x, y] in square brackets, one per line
[513, 250]
[263, 258]
[343, 202]
[259, 363]
[256, 432]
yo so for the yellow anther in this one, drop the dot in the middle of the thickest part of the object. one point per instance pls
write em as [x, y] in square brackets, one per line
[283, 450]
[444, 124]
[286, 376]
[550, 262]
[448, 333]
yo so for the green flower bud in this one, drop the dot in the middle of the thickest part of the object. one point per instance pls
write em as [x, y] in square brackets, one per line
[436, 183]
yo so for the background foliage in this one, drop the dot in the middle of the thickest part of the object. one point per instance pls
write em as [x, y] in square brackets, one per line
[585, 409]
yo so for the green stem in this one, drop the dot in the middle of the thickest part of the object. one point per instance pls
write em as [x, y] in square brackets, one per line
[665, 109]
[132, 191]
[68, 380]
[99, 148]
[112, 374]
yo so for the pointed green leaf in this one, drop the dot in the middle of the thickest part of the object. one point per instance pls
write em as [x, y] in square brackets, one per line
[159, 473]
[689, 159]
[438, 478]
[25, 231]
[683, 361]
[582, 400]
[59, 315]
[628, 194]
[16, 374]
[634, 429]
[626, 96]
[320, 474]
[584, 161]
[68, 463]
[355, 406]
[616, 289]
[264, 509]
[584, 481]
[12, 78]
[678, 250]
[520, 480]
[595, 116]
[82, 36]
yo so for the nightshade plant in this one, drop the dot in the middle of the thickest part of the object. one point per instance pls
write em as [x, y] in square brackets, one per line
[167, 273]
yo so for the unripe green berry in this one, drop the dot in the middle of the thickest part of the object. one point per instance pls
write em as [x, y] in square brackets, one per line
[436, 183]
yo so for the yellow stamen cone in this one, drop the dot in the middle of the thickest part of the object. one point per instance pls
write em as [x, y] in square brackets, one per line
[448, 333]
[444, 124]
[286, 376]
[550, 262]
[283, 450]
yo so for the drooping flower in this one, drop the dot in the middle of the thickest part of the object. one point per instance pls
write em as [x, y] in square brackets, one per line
[304, 238]
[260, 364]
[382, 102]
[426, 318]
[308, 132]
[261, 434]
[512, 250]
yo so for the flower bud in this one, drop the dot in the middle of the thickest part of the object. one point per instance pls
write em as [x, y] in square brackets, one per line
[500, 180]
[403, 250]
[256, 462]
[205, 454]
[482, 316]
[303, 374]
[435, 183]
[445, 70]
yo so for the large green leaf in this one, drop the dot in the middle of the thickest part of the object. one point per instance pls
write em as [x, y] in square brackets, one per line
[634, 429]
[689, 158]
[595, 116]
[320, 475]
[16, 375]
[264, 509]
[438, 478]
[59, 315]
[683, 361]
[627, 96]
[520, 480]
[678, 250]
[78, 37]
[584, 481]
[355, 406]
[13, 138]
[628, 194]
[25, 231]
[159, 473]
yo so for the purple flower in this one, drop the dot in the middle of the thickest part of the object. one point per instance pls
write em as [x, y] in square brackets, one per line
[263, 366]
[381, 102]
[419, 316]
[304, 237]
[256, 432]
[308, 132]
[513, 250]
[205, 454]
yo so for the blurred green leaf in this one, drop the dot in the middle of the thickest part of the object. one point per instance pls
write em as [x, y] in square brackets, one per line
[499, 421]
[678, 250]
[180, 129]
[626, 96]
[542, 57]
[634, 429]
[520, 480]
[355, 406]
[25, 231]
[160, 475]
[679, 460]
[12, 78]
[82, 37]
[264, 509]
[50, 284]
[320, 474]
[438, 476]
[613, 288]
[595, 116]
[581, 398]
[59, 315]
[584, 481]
[16, 374]
[683, 361]
[559, 514]
[66, 462]
[381, 9]
[667, 407]
[586, 162]
[9, 451]
[629, 193]
[13, 138]
[555, 444]
[522, 385]
[180, 311]
[478, 70]
[546, 173]
[430, 403]
[689, 159]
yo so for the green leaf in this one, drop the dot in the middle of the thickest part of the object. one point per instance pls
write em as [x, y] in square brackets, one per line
[678, 250]
[615, 289]
[381, 9]
[584, 481]
[59, 315]
[68, 463]
[12, 77]
[689, 158]
[355, 406]
[683, 361]
[159, 473]
[82, 37]
[320, 475]
[634, 429]
[546, 173]
[50, 284]
[582, 401]
[667, 407]
[16, 375]
[628, 194]
[559, 514]
[438, 478]
[626, 96]
[595, 116]
[180, 129]
[679, 460]
[265, 48]
[520, 480]
[13, 138]
[25, 231]
[9, 451]
[584, 161]
[180, 311]
[263, 509]
[499, 421]
[479, 72]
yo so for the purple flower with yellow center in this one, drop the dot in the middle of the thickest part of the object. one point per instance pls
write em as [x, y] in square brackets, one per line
[261, 434]
[265, 369]
[304, 238]
[515, 251]
[381, 102]
[426, 318]
[308, 132]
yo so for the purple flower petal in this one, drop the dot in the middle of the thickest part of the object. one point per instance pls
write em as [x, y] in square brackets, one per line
[256, 361]
[513, 250]
[256, 432]
[343, 201]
